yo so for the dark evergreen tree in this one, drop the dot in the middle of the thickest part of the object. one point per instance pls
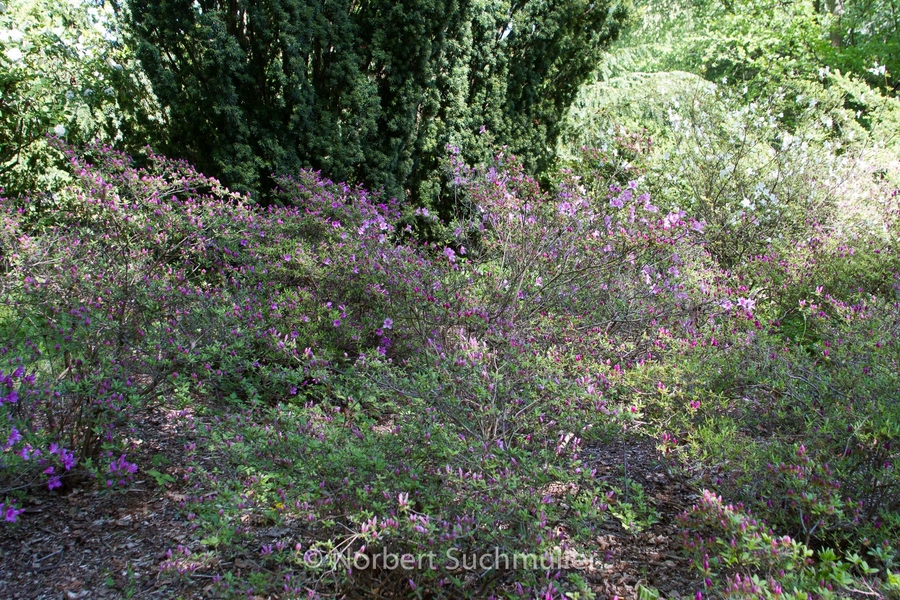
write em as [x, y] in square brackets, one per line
[368, 91]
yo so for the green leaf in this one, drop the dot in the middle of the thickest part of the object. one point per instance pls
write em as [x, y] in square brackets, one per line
[647, 593]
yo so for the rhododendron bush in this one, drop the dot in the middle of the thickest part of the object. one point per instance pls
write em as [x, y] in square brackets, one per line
[374, 393]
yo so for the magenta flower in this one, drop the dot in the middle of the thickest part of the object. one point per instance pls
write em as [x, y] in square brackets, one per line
[14, 438]
[10, 513]
[122, 465]
[68, 459]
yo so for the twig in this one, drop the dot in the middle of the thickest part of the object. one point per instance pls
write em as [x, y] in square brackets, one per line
[54, 565]
[862, 592]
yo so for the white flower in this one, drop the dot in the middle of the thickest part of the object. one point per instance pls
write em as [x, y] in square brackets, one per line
[59, 130]
[877, 70]
[14, 54]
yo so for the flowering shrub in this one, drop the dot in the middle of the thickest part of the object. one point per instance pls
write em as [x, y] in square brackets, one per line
[376, 394]
[758, 172]
[545, 295]
[28, 456]
[798, 420]
[148, 281]
[459, 429]
[354, 490]
[740, 557]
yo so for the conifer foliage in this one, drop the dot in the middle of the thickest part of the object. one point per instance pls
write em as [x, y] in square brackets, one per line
[370, 91]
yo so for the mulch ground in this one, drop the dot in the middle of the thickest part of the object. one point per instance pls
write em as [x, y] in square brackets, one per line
[90, 544]
[649, 557]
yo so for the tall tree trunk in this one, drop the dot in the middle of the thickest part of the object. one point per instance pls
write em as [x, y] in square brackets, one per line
[836, 8]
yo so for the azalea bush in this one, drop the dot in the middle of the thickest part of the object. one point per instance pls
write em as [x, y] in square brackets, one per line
[741, 557]
[370, 394]
[793, 416]
[342, 489]
[779, 395]
[829, 388]
[471, 441]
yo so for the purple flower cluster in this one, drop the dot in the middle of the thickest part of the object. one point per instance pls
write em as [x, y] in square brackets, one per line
[8, 388]
[9, 512]
[121, 469]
